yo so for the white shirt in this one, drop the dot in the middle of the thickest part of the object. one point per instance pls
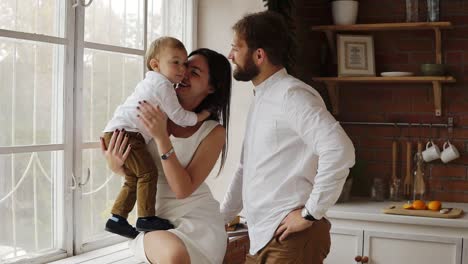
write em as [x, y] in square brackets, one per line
[157, 90]
[294, 153]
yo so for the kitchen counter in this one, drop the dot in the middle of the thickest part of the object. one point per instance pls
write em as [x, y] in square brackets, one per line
[372, 211]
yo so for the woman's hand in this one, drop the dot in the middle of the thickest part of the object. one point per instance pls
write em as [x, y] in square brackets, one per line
[115, 153]
[154, 120]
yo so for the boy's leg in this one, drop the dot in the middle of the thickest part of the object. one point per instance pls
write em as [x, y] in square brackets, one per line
[125, 201]
[126, 198]
[142, 164]
[123, 204]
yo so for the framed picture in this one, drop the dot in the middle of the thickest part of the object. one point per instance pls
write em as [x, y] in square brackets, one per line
[355, 55]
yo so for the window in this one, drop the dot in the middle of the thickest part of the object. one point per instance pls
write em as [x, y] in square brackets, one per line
[63, 71]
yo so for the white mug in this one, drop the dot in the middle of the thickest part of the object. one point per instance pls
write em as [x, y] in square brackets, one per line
[432, 152]
[449, 152]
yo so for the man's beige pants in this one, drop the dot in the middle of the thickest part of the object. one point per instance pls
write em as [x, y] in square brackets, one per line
[310, 246]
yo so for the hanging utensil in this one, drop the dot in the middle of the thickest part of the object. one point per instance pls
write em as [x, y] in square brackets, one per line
[419, 185]
[408, 183]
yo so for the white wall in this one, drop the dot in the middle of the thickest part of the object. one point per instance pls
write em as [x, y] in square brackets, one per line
[215, 20]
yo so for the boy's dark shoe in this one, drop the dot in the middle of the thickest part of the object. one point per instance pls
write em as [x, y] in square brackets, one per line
[153, 223]
[119, 225]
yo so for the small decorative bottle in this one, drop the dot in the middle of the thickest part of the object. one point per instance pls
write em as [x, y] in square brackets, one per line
[379, 189]
[432, 10]
[412, 11]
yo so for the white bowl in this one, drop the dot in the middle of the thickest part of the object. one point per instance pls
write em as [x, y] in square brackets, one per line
[396, 74]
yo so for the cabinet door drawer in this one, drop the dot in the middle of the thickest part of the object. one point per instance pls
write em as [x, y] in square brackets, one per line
[390, 248]
[345, 245]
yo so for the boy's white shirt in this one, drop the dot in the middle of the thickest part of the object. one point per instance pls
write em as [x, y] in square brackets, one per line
[157, 90]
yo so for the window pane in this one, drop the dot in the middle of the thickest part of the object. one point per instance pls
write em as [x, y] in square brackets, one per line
[31, 94]
[108, 79]
[32, 16]
[27, 214]
[168, 18]
[115, 22]
[98, 195]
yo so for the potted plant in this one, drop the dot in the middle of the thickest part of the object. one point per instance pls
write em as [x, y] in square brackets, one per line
[344, 11]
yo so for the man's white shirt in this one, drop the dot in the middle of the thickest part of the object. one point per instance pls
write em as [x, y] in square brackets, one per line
[294, 153]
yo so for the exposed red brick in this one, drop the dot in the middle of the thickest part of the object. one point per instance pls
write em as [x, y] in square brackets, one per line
[365, 154]
[421, 106]
[392, 58]
[374, 142]
[456, 44]
[454, 58]
[442, 171]
[456, 33]
[406, 51]
[451, 197]
[422, 57]
[415, 45]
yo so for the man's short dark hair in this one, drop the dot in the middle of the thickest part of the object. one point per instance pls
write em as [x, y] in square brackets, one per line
[266, 30]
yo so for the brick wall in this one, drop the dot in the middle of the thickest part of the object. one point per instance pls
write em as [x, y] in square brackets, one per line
[398, 51]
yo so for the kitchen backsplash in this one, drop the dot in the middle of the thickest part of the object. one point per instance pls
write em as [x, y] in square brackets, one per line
[413, 103]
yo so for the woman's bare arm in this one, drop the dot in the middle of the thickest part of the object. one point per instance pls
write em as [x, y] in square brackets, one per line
[183, 181]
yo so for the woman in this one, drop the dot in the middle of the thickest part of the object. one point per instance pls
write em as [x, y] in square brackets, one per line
[182, 196]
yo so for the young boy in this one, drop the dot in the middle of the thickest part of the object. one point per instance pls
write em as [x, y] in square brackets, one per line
[165, 60]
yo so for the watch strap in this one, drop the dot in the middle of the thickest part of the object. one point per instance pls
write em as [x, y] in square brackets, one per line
[307, 215]
[167, 154]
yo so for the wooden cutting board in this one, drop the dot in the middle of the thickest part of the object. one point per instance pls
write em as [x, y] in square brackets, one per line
[398, 210]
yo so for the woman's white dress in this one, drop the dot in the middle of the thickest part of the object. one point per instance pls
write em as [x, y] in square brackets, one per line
[197, 219]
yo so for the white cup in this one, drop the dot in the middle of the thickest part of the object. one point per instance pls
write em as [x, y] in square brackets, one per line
[432, 152]
[449, 152]
[345, 11]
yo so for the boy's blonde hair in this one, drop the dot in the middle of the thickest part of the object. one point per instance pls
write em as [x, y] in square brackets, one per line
[158, 45]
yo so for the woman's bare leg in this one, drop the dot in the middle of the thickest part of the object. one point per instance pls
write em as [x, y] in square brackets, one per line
[163, 247]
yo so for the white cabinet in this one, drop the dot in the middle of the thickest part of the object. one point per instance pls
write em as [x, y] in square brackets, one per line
[390, 248]
[465, 250]
[345, 245]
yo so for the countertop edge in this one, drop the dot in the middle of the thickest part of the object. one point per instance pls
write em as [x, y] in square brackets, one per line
[372, 211]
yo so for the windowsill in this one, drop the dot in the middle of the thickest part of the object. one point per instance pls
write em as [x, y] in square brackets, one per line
[118, 253]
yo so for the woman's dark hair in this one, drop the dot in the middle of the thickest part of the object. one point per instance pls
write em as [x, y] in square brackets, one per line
[218, 103]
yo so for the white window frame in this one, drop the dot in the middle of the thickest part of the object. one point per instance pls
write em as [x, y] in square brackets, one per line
[68, 228]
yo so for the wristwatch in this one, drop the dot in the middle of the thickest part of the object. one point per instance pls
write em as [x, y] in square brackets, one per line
[169, 153]
[306, 215]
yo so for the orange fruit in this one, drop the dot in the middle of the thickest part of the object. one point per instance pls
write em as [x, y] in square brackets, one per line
[434, 205]
[419, 205]
[407, 206]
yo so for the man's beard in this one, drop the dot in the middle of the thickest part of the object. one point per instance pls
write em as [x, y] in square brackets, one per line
[247, 73]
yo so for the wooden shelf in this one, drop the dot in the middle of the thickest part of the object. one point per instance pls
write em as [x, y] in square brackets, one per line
[436, 81]
[333, 91]
[330, 31]
[384, 26]
[373, 79]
